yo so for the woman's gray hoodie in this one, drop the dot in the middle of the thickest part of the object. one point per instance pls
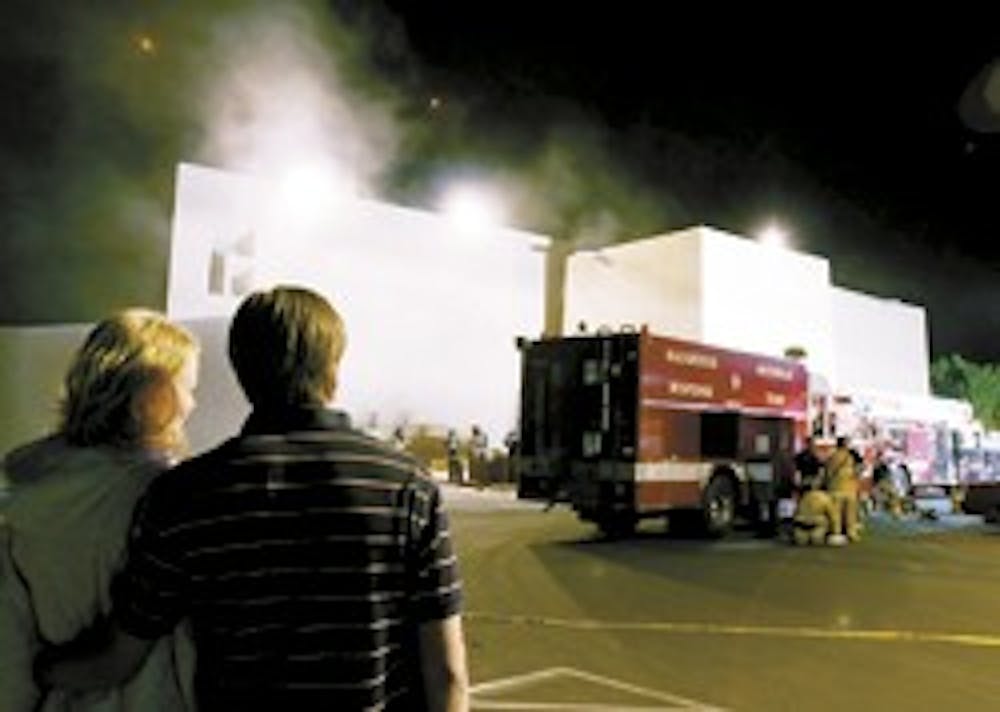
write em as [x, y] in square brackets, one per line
[64, 521]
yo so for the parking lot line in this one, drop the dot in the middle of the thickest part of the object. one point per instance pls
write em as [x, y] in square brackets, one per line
[506, 684]
[974, 640]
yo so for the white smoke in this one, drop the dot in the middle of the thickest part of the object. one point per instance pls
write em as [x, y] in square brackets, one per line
[275, 100]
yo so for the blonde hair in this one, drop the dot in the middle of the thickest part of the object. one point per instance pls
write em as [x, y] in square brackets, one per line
[113, 390]
[285, 346]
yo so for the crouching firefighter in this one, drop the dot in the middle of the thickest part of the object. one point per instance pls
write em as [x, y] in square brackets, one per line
[817, 519]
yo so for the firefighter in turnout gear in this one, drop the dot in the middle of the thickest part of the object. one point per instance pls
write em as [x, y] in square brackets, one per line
[817, 519]
[842, 484]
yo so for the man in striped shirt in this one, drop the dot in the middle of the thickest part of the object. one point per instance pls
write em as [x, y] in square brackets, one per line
[313, 562]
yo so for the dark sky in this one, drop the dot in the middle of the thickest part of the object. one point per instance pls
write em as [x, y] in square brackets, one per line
[843, 128]
[863, 108]
[618, 119]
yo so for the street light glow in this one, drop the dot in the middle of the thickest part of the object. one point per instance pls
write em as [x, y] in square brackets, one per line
[774, 236]
[306, 190]
[472, 209]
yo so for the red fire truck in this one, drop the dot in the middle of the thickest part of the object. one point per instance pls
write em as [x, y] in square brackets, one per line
[923, 443]
[983, 490]
[630, 425]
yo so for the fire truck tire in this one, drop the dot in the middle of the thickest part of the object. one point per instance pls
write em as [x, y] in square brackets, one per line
[902, 480]
[718, 506]
[906, 480]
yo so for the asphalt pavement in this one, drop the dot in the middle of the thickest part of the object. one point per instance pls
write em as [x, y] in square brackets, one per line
[558, 617]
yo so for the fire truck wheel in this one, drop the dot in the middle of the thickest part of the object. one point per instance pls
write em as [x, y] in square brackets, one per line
[719, 510]
[903, 481]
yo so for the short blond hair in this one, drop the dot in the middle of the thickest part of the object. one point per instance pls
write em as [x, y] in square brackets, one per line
[285, 346]
[121, 360]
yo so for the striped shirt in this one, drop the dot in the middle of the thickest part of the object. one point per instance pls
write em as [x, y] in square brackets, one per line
[305, 555]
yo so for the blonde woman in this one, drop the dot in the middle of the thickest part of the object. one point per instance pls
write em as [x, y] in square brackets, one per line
[128, 392]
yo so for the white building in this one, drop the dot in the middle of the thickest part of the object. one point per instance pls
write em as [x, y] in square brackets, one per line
[711, 286]
[432, 312]
[432, 308]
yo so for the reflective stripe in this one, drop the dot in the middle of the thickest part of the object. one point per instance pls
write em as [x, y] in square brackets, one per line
[673, 471]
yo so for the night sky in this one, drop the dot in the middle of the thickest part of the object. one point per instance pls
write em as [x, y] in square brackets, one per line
[845, 130]
[620, 120]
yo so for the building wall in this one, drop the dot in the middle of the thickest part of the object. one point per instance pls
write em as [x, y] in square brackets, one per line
[33, 360]
[432, 311]
[710, 286]
[654, 281]
[881, 344]
[216, 219]
[765, 299]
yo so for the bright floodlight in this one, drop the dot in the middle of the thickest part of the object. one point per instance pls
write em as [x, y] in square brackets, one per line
[774, 236]
[306, 190]
[472, 209]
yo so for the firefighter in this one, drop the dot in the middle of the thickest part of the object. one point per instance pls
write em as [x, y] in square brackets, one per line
[455, 470]
[885, 490]
[817, 518]
[478, 456]
[842, 484]
[807, 466]
[512, 443]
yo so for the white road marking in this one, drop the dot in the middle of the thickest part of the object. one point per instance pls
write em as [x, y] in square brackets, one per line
[492, 687]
